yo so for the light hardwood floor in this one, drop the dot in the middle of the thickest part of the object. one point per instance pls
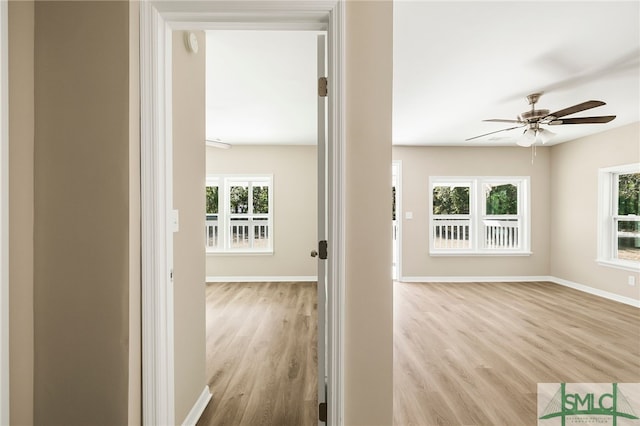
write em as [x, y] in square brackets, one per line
[473, 354]
[261, 354]
[464, 353]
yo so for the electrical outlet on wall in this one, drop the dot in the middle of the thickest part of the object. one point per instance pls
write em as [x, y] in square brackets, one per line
[632, 280]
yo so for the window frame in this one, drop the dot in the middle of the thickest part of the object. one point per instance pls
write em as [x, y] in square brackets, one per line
[478, 215]
[224, 182]
[608, 218]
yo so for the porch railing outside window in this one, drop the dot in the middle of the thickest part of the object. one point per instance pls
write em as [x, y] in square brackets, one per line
[239, 214]
[483, 215]
[249, 233]
[451, 233]
[501, 233]
[211, 231]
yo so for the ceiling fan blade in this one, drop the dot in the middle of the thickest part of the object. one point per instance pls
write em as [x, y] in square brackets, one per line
[583, 120]
[497, 131]
[503, 120]
[576, 108]
[217, 143]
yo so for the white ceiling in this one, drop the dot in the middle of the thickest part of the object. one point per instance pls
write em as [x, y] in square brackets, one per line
[455, 64]
[261, 87]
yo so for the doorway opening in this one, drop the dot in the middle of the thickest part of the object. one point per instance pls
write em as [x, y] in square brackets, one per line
[262, 157]
[158, 21]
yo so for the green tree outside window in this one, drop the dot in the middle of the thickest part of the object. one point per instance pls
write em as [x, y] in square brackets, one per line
[502, 199]
[451, 200]
[261, 199]
[212, 199]
[239, 199]
[629, 194]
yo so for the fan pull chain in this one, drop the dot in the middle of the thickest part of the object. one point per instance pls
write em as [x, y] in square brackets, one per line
[534, 152]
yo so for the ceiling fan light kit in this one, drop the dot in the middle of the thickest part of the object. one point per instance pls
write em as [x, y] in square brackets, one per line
[535, 135]
[528, 138]
[534, 118]
[545, 135]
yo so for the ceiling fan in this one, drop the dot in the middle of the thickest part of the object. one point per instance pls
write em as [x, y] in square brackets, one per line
[534, 118]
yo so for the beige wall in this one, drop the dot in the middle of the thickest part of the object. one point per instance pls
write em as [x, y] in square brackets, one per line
[294, 202]
[418, 163]
[82, 178]
[368, 369]
[21, 134]
[574, 173]
[189, 200]
[81, 282]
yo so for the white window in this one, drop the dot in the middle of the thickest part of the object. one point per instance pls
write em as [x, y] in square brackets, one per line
[479, 216]
[239, 215]
[619, 216]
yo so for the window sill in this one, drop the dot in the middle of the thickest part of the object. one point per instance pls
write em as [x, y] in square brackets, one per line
[618, 264]
[240, 253]
[481, 254]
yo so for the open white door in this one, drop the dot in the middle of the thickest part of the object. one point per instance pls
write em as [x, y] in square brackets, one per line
[321, 253]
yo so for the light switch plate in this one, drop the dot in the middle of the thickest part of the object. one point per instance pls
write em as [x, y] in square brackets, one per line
[175, 220]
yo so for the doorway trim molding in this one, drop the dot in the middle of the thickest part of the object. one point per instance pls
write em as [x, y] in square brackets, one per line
[158, 18]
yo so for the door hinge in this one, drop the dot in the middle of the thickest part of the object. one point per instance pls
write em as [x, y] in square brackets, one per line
[322, 249]
[323, 87]
[322, 412]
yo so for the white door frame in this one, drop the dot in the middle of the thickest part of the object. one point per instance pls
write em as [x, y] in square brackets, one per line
[157, 20]
[4, 213]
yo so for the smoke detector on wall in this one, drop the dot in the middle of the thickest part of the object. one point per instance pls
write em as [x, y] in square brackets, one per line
[191, 41]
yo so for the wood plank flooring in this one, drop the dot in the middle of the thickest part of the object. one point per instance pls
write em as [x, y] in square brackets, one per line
[464, 353]
[261, 354]
[472, 354]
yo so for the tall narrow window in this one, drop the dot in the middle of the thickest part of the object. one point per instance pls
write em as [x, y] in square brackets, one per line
[239, 214]
[238, 225]
[261, 227]
[619, 216]
[479, 215]
[501, 219]
[211, 222]
[627, 217]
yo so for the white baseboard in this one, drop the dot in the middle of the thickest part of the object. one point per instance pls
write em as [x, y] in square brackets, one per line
[596, 292]
[502, 279]
[198, 408]
[254, 279]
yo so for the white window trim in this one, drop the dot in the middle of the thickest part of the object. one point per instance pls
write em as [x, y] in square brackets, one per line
[224, 182]
[477, 212]
[607, 193]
